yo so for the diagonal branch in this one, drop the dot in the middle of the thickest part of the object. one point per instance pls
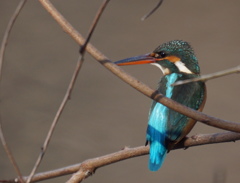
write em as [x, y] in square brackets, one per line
[67, 95]
[89, 166]
[94, 24]
[152, 11]
[56, 118]
[141, 87]
[75, 178]
[8, 31]
[210, 76]
[2, 53]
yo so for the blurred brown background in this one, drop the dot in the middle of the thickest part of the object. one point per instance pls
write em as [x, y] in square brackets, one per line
[105, 114]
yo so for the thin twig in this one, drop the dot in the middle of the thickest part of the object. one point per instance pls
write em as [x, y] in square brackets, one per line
[55, 120]
[152, 11]
[2, 53]
[67, 95]
[210, 76]
[93, 26]
[8, 31]
[10, 155]
[88, 166]
[80, 176]
[141, 87]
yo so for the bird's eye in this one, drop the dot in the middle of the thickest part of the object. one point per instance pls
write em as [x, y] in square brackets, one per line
[162, 54]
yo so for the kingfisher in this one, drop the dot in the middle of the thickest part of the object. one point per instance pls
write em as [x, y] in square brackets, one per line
[166, 127]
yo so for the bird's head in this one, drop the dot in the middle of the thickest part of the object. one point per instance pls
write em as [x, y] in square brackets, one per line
[172, 57]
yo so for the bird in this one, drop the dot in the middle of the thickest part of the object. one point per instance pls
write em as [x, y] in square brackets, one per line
[166, 127]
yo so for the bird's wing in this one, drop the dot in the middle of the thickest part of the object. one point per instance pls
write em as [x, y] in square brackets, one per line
[192, 95]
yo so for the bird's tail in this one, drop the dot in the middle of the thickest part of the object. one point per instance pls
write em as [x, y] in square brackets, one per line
[156, 135]
[157, 155]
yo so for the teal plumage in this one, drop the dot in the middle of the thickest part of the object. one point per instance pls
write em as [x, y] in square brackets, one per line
[167, 127]
[157, 127]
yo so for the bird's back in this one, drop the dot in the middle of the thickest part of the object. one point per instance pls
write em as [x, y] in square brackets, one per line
[167, 127]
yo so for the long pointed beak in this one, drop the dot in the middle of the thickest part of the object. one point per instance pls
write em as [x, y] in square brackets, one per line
[142, 59]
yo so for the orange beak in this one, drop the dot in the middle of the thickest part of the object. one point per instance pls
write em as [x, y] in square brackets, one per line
[142, 59]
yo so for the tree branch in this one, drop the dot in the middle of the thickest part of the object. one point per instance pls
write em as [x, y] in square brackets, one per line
[141, 87]
[2, 53]
[56, 119]
[210, 76]
[89, 166]
[68, 93]
[81, 175]
[152, 11]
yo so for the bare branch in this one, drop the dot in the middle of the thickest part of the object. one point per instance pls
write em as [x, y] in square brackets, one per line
[67, 95]
[2, 53]
[8, 31]
[80, 175]
[152, 11]
[203, 139]
[56, 118]
[88, 167]
[141, 87]
[210, 76]
[94, 24]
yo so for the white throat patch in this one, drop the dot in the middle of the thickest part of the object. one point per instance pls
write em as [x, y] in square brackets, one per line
[181, 67]
[179, 64]
[165, 71]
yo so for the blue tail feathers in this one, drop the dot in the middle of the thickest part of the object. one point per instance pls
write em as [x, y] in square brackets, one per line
[158, 149]
[157, 155]
[156, 136]
[157, 128]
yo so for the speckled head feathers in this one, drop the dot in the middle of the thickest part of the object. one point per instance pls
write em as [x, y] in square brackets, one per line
[183, 50]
